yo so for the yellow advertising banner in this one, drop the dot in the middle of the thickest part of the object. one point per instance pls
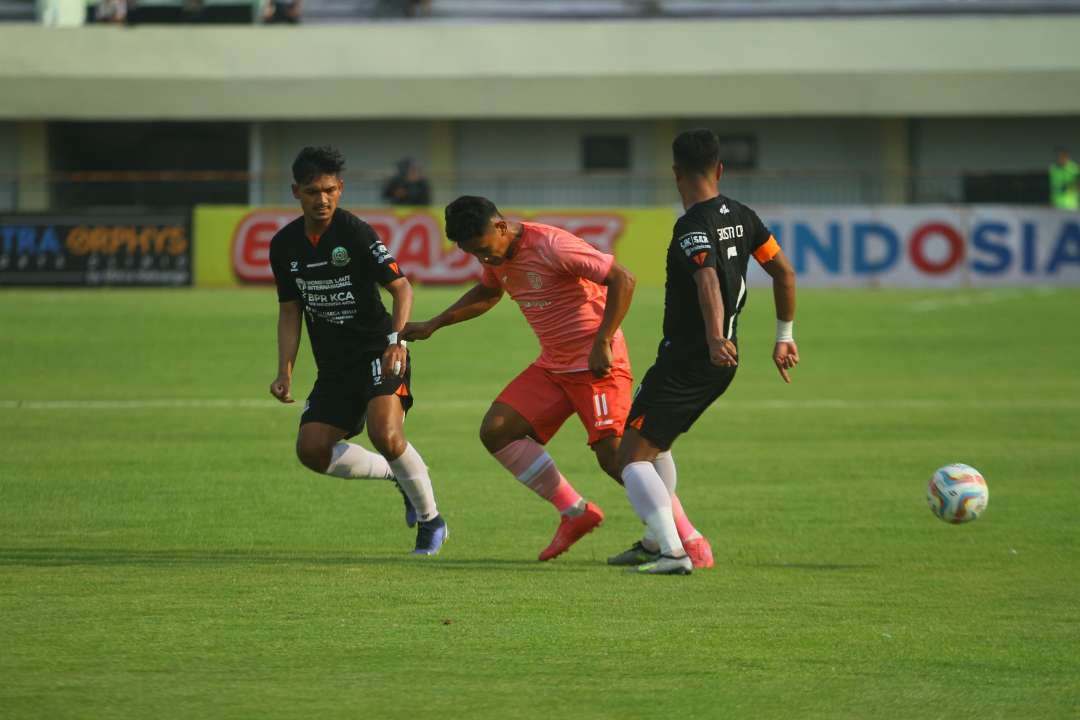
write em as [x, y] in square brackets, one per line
[232, 243]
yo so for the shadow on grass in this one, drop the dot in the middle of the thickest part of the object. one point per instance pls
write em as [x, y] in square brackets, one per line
[54, 557]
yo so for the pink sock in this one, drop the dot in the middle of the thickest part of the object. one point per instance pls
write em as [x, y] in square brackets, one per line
[530, 463]
[682, 523]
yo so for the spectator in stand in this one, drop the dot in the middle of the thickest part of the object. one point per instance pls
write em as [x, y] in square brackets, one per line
[1064, 191]
[408, 186]
[282, 11]
[114, 11]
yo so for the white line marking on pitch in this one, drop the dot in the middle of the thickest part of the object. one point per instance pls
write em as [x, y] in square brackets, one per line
[983, 298]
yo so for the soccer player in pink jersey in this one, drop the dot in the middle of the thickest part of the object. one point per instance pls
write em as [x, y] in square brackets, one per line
[574, 297]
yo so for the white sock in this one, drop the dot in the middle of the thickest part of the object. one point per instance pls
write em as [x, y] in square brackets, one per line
[665, 468]
[649, 540]
[651, 501]
[664, 464]
[352, 461]
[412, 476]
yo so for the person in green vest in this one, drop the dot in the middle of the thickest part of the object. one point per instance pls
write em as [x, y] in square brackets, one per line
[1064, 192]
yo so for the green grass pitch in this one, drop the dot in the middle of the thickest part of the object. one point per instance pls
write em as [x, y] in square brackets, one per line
[162, 554]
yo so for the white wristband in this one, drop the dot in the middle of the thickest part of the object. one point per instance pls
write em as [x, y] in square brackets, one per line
[392, 339]
[784, 329]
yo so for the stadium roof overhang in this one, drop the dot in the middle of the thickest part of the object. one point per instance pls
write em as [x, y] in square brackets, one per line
[951, 66]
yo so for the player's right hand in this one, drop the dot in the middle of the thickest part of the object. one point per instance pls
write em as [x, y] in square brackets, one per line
[281, 388]
[723, 353]
[786, 357]
[418, 330]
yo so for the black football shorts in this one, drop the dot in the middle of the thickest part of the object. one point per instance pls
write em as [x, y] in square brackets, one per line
[673, 395]
[341, 399]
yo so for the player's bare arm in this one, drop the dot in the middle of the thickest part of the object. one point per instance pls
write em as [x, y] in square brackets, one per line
[722, 352]
[785, 352]
[475, 302]
[288, 340]
[401, 292]
[620, 284]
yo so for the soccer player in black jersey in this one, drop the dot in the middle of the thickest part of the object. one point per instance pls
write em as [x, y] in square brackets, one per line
[328, 265]
[696, 361]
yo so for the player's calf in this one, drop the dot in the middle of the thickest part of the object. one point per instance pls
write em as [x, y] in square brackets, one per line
[607, 456]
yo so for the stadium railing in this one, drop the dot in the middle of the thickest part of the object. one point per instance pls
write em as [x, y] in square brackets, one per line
[165, 190]
[338, 10]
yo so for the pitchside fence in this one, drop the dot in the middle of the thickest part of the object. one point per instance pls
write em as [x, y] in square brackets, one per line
[161, 190]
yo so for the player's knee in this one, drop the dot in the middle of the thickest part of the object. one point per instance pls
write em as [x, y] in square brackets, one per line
[387, 441]
[313, 455]
[609, 463]
[494, 433]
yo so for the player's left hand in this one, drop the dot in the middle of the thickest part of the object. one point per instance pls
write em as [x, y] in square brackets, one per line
[600, 359]
[786, 357]
[393, 360]
[418, 330]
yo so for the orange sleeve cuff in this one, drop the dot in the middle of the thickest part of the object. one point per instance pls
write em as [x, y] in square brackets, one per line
[767, 251]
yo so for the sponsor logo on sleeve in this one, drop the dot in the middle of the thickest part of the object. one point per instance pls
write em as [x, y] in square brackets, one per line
[694, 243]
[380, 253]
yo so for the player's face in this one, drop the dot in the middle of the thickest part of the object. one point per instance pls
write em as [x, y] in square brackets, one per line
[319, 198]
[491, 247]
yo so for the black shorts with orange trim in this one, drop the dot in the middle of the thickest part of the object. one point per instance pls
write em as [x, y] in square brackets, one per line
[673, 395]
[341, 399]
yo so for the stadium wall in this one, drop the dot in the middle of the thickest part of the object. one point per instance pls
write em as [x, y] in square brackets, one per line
[798, 160]
[846, 246]
[836, 67]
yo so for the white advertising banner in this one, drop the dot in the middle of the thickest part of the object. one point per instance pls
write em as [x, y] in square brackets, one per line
[927, 245]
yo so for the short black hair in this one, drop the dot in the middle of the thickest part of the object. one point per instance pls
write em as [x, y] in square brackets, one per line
[314, 161]
[696, 151]
[467, 217]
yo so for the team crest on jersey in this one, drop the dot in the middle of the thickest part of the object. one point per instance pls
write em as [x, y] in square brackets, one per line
[535, 281]
[724, 210]
[339, 257]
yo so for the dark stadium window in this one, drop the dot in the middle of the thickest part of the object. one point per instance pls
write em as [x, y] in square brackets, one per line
[738, 152]
[1007, 188]
[605, 152]
[149, 165]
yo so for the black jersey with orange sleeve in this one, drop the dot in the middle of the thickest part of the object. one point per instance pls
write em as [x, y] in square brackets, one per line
[722, 234]
[335, 278]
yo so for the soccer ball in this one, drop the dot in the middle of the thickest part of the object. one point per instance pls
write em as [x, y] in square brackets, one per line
[957, 493]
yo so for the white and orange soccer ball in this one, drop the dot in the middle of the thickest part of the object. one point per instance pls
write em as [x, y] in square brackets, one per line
[957, 493]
